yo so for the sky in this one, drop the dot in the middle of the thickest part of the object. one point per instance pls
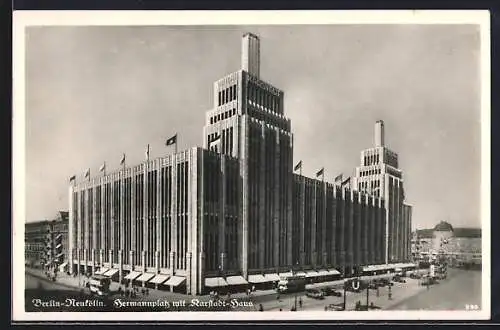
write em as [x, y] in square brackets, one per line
[93, 93]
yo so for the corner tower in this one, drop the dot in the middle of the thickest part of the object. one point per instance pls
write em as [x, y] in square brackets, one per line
[247, 122]
[379, 174]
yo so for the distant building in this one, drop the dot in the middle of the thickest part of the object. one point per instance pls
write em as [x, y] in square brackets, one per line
[458, 245]
[46, 242]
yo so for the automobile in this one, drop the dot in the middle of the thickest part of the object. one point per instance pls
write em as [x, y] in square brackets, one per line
[315, 293]
[385, 282]
[415, 276]
[373, 285]
[398, 279]
[335, 307]
[329, 291]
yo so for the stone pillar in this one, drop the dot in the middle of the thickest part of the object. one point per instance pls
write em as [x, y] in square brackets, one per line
[172, 267]
[101, 257]
[86, 260]
[221, 209]
[314, 221]
[279, 234]
[323, 227]
[71, 228]
[133, 220]
[110, 254]
[103, 222]
[201, 274]
[113, 215]
[93, 261]
[79, 261]
[302, 222]
[189, 285]
[120, 269]
[131, 257]
[157, 265]
[143, 260]
[263, 185]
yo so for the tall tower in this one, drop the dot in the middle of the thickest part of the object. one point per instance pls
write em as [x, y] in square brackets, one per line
[248, 122]
[379, 175]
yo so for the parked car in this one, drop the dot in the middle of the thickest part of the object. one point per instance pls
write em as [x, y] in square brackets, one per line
[398, 279]
[415, 276]
[385, 282]
[329, 291]
[315, 293]
[373, 285]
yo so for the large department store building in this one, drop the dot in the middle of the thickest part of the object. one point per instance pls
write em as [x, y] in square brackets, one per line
[232, 213]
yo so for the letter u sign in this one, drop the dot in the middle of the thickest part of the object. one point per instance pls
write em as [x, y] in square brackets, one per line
[355, 284]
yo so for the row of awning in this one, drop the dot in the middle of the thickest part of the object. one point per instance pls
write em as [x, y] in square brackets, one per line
[145, 277]
[382, 267]
[265, 278]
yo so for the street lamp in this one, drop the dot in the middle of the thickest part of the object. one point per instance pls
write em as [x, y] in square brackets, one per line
[367, 295]
[294, 272]
[345, 291]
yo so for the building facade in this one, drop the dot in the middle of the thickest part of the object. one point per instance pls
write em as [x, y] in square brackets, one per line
[459, 246]
[379, 174]
[46, 242]
[232, 213]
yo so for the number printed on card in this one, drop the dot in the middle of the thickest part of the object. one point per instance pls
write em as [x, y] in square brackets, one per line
[472, 307]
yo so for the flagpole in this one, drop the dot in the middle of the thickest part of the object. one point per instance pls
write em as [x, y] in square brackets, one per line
[176, 140]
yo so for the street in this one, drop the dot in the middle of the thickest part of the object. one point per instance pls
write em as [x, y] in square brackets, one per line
[460, 291]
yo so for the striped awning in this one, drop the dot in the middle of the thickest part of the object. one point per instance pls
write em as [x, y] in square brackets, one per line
[236, 280]
[175, 281]
[286, 274]
[159, 279]
[258, 278]
[272, 277]
[301, 273]
[333, 272]
[102, 271]
[132, 275]
[311, 273]
[323, 272]
[215, 281]
[145, 277]
[111, 272]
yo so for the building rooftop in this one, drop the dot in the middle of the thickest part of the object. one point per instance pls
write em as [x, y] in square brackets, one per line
[462, 232]
[443, 226]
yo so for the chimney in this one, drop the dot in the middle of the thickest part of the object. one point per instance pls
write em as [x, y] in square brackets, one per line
[379, 133]
[250, 54]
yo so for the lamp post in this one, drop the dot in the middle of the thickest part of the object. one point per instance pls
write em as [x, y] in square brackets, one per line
[367, 295]
[294, 272]
[345, 296]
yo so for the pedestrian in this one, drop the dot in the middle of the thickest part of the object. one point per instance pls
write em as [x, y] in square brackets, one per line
[278, 297]
[326, 308]
[281, 309]
[261, 308]
[253, 288]
[300, 302]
